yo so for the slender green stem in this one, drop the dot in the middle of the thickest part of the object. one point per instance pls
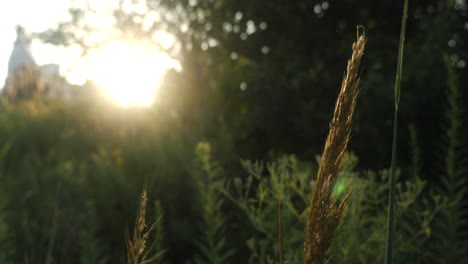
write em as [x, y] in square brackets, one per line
[280, 232]
[391, 200]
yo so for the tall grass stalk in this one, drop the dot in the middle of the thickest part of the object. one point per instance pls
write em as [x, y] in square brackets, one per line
[138, 251]
[326, 210]
[280, 231]
[391, 199]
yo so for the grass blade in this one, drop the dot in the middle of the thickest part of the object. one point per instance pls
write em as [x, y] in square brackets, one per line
[391, 200]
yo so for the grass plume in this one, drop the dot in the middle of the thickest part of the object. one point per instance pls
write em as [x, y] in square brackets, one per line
[327, 211]
[138, 251]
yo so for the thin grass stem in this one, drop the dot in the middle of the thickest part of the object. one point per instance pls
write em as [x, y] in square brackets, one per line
[391, 201]
[280, 232]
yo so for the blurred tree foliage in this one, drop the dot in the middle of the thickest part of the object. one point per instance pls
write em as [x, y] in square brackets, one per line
[268, 72]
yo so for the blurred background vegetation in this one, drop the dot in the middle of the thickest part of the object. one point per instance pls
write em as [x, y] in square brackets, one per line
[258, 84]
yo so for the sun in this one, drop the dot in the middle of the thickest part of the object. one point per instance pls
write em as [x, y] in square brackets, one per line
[129, 72]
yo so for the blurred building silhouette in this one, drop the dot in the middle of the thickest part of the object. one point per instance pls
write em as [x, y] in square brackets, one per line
[26, 79]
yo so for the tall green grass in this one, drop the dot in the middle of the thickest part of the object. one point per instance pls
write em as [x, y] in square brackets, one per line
[392, 182]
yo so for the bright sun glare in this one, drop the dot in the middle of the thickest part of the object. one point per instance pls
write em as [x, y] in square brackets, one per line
[129, 72]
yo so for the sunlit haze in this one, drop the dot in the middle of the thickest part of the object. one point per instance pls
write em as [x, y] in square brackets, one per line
[128, 70]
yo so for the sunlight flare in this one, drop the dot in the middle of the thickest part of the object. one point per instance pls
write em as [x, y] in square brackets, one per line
[130, 73]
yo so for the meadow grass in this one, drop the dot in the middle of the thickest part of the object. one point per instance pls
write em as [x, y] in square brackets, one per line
[327, 211]
[391, 194]
[139, 251]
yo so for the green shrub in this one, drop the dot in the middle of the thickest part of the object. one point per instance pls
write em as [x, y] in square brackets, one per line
[450, 236]
[212, 245]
